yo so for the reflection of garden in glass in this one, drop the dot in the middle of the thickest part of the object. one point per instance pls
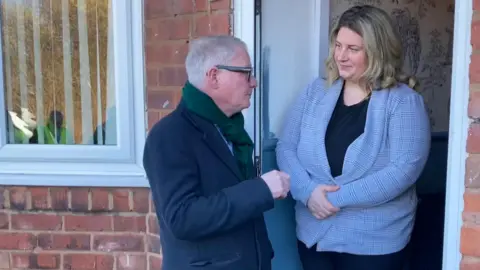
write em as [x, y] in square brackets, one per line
[58, 71]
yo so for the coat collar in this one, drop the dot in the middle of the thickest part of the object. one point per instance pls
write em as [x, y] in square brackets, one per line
[361, 154]
[212, 138]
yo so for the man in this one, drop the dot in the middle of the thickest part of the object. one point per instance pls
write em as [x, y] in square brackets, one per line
[198, 160]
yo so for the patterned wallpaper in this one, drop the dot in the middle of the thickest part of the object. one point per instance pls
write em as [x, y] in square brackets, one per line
[426, 29]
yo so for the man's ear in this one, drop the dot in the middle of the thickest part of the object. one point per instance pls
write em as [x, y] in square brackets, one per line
[212, 77]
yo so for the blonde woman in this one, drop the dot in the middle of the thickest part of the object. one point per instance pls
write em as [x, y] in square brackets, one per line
[354, 145]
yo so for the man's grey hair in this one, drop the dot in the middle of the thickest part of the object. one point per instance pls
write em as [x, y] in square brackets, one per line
[207, 52]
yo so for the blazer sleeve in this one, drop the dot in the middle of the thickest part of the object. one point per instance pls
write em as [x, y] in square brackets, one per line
[301, 185]
[190, 215]
[409, 143]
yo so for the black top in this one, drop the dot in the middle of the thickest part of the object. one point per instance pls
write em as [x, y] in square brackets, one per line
[346, 124]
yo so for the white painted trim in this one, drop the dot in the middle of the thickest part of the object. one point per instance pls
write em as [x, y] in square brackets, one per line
[321, 23]
[459, 122]
[93, 165]
[244, 29]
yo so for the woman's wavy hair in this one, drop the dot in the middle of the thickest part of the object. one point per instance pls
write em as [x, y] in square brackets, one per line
[382, 45]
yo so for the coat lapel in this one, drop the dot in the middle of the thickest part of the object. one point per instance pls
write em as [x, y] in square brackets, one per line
[324, 106]
[212, 138]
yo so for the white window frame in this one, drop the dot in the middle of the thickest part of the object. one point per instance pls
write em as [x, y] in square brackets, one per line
[92, 165]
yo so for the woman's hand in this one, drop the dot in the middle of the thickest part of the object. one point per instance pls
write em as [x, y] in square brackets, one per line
[318, 204]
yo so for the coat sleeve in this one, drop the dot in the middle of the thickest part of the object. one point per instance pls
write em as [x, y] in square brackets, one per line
[409, 143]
[301, 185]
[173, 174]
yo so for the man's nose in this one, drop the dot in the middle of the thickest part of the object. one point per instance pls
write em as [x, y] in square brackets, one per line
[253, 82]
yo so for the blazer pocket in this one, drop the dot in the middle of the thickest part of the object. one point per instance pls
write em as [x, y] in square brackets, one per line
[220, 260]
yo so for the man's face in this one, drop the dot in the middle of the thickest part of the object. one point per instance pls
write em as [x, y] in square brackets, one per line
[233, 83]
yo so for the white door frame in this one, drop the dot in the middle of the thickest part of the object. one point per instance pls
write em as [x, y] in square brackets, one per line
[244, 27]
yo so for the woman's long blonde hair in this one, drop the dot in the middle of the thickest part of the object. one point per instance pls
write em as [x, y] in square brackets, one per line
[382, 46]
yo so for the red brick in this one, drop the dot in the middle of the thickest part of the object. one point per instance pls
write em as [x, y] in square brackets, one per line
[470, 263]
[160, 99]
[4, 221]
[121, 200]
[151, 76]
[18, 198]
[129, 223]
[2, 197]
[39, 197]
[153, 244]
[156, 8]
[475, 35]
[475, 68]
[153, 118]
[21, 260]
[220, 5]
[470, 237]
[131, 261]
[153, 224]
[79, 197]
[472, 201]
[59, 199]
[213, 24]
[100, 200]
[64, 241]
[88, 262]
[36, 222]
[46, 261]
[472, 171]
[155, 262]
[201, 5]
[36, 261]
[166, 54]
[172, 29]
[88, 223]
[118, 242]
[177, 96]
[476, 4]
[17, 241]
[141, 198]
[160, 30]
[172, 76]
[473, 139]
[474, 103]
[4, 260]
[183, 7]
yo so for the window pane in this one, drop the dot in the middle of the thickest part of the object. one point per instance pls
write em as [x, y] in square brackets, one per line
[58, 71]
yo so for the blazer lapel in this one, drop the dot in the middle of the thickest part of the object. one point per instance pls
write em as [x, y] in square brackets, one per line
[212, 138]
[363, 152]
[325, 105]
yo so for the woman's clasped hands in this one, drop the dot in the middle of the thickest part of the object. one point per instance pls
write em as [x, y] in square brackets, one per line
[318, 203]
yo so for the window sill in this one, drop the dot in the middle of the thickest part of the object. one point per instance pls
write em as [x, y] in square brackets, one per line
[72, 174]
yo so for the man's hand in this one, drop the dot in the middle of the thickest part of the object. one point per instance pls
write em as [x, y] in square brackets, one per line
[318, 204]
[278, 182]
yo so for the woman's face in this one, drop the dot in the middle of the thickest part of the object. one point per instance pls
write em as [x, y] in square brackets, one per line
[350, 55]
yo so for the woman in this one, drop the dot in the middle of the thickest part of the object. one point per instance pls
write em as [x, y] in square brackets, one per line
[354, 145]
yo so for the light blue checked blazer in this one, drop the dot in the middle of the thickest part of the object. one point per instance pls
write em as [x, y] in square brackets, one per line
[377, 194]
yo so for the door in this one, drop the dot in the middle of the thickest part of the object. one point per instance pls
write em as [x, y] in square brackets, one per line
[287, 58]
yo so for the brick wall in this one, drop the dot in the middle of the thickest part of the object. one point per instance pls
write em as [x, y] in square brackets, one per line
[109, 228]
[470, 235]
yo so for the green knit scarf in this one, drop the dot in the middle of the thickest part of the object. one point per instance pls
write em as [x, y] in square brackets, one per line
[232, 128]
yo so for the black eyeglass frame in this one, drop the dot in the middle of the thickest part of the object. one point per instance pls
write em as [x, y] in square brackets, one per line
[246, 70]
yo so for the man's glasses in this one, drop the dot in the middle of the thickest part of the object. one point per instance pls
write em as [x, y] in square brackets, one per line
[245, 70]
